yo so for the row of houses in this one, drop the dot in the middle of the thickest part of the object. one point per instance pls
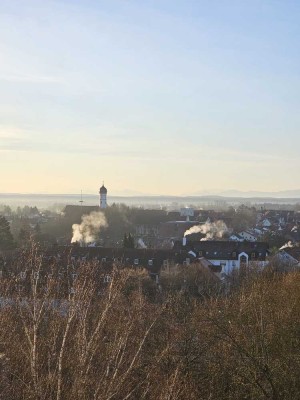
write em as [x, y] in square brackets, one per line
[225, 256]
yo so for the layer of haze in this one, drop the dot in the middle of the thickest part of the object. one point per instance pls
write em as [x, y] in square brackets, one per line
[157, 97]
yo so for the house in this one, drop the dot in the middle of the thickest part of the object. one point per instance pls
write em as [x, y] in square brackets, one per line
[174, 230]
[266, 223]
[236, 237]
[248, 235]
[228, 255]
[289, 256]
[146, 223]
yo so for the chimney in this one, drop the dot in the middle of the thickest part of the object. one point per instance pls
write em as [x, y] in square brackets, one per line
[184, 241]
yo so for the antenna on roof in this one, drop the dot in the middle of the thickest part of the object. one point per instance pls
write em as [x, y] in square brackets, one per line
[81, 201]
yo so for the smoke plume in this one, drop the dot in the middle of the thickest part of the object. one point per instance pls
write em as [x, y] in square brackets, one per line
[289, 244]
[214, 230]
[90, 226]
[141, 244]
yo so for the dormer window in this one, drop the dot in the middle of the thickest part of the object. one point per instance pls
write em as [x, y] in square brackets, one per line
[136, 261]
[103, 259]
[150, 263]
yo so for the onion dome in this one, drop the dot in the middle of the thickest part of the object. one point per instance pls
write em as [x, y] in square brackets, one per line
[103, 190]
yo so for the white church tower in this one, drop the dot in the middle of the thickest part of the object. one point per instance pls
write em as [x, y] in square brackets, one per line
[103, 194]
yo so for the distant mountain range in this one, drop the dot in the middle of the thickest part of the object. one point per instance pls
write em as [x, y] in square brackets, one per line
[251, 193]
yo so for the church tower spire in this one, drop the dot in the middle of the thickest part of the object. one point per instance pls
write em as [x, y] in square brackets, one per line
[103, 196]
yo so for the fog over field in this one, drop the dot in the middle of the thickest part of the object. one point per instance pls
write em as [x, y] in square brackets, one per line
[45, 201]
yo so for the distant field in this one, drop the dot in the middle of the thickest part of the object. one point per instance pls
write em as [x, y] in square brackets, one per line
[52, 200]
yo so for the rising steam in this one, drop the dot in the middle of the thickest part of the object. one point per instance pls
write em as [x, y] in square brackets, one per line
[141, 244]
[214, 230]
[90, 226]
[289, 244]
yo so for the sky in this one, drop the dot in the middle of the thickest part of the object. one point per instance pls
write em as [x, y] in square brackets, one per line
[153, 97]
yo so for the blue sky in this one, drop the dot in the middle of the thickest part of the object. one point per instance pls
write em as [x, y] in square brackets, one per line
[159, 97]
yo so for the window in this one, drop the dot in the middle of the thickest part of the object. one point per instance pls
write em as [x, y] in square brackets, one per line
[107, 279]
[253, 255]
[234, 254]
[74, 276]
[201, 253]
[136, 261]
[103, 259]
[243, 260]
[188, 260]
[165, 263]
[36, 275]
[150, 263]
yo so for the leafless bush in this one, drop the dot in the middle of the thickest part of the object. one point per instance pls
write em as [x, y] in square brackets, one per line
[69, 334]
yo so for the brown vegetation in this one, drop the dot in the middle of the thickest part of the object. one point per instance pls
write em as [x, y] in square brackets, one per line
[122, 338]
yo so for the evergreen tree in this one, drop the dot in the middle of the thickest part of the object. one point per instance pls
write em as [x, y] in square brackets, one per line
[24, 236]
[6, 238]
[128, 241]
[125, 241]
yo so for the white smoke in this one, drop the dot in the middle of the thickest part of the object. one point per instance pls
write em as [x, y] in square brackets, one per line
[141, 244]
[289, 244]
[90, 226]
[212, 230]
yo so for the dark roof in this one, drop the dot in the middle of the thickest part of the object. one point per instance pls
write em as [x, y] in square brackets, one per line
[78, 210]
[148, 217]
[224, 250]
[103, 190]
[293, 252]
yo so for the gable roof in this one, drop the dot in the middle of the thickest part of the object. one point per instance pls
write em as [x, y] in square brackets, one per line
[225, 250]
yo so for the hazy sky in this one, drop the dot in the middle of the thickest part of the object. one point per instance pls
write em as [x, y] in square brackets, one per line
[159, 97]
